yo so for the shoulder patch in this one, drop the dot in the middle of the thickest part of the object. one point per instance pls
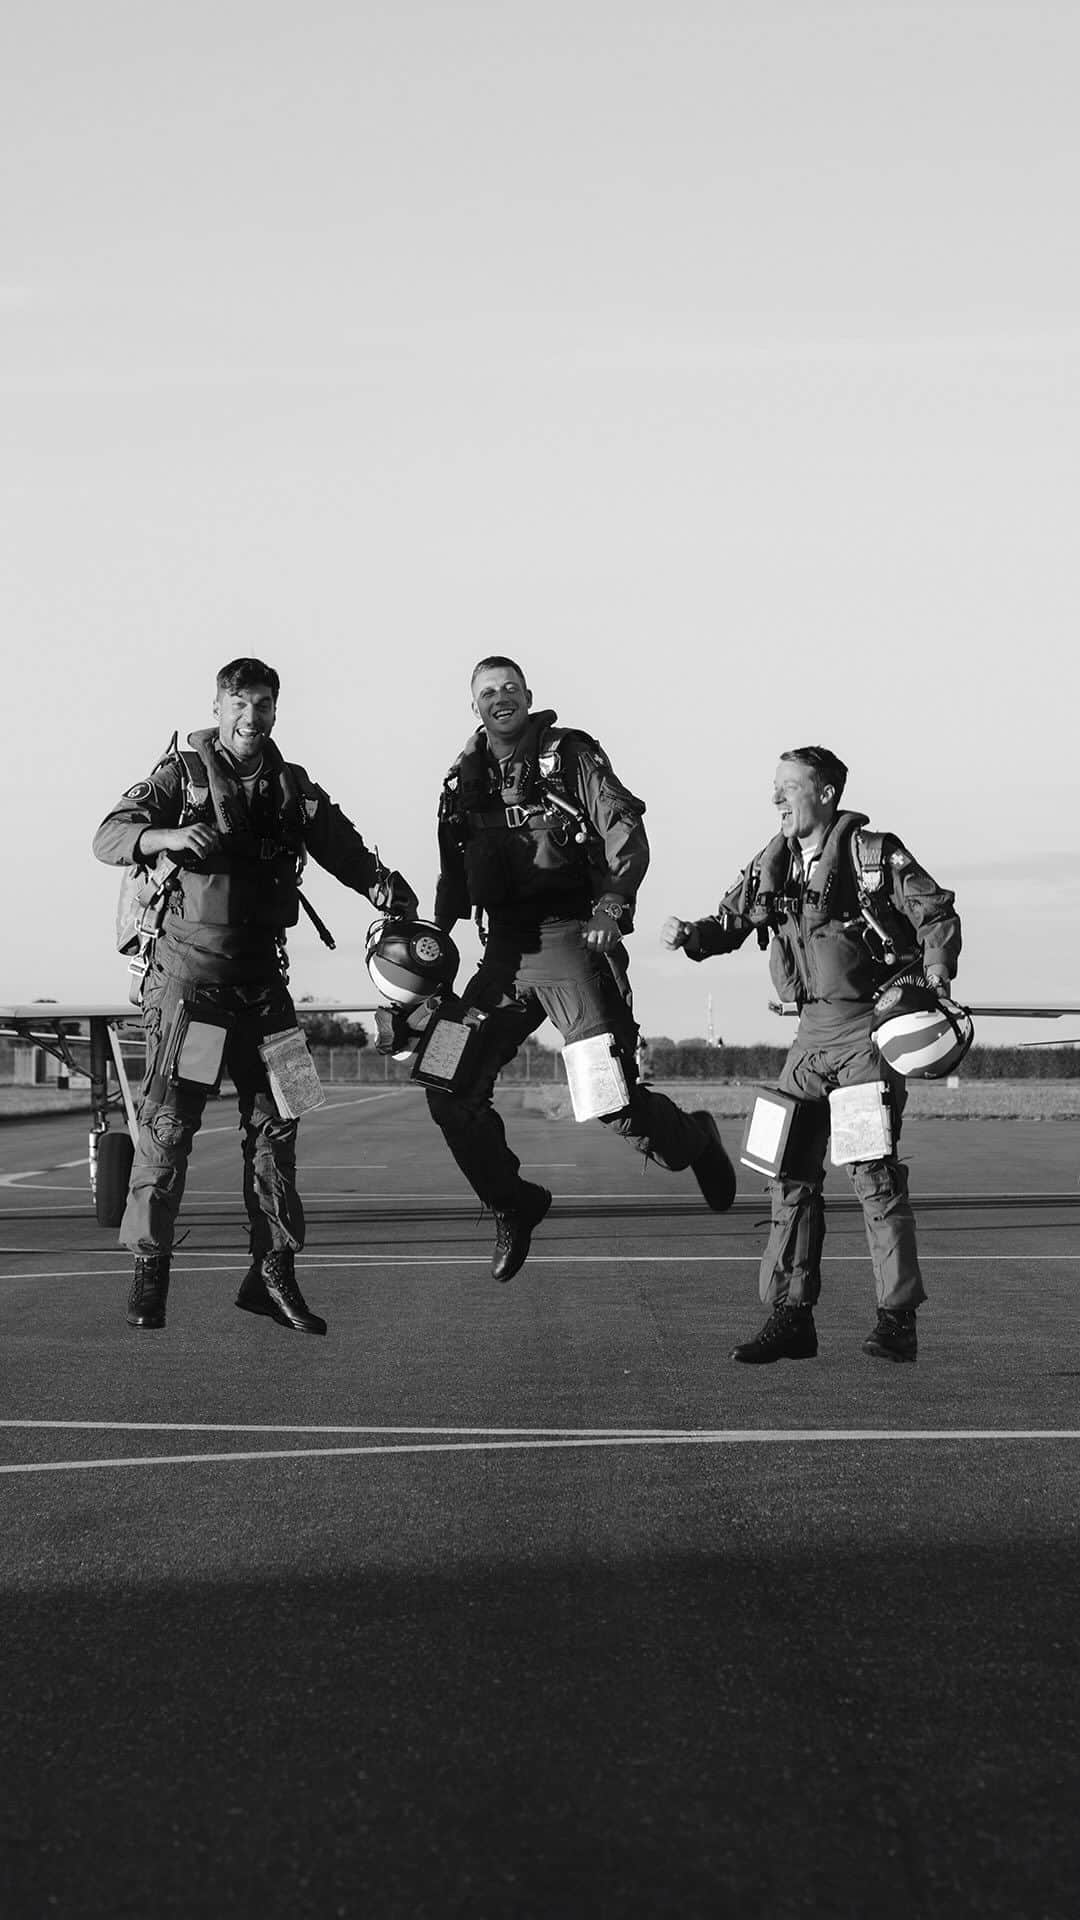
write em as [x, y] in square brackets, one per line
[901, 859]
[140, 791]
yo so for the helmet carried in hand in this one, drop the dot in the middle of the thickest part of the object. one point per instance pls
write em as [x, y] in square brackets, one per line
[917, 1033]
[409, 960]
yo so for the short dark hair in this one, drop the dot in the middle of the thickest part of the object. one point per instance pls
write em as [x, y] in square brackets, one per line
[247, 672]
[497, 660]
[831, 771]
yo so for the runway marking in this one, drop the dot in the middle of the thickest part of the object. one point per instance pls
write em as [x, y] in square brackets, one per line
[262, 1426]
[584, 1434]
[339, 1260]
[331, 1106]
[679, 1203]
[568, 1441]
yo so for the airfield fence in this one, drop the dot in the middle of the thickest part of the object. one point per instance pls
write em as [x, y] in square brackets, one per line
[22, 1065]
[738, 1065]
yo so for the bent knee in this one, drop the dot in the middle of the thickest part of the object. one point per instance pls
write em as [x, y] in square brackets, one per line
[454, 1111]
[167, 1136]
[879, 1181]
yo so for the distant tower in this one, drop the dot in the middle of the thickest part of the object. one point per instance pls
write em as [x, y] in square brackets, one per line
[710, 1030]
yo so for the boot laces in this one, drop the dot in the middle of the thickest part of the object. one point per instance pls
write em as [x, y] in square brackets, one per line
[779, 1321]
[147, 1277]
[280, 1274]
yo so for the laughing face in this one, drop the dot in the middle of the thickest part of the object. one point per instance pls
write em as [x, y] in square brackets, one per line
[245, 722]
[501, 703]
[805, 805]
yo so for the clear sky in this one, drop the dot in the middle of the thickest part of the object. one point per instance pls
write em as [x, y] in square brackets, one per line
[720, 359]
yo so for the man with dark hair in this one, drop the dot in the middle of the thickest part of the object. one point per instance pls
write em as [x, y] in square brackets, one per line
[224, 827]
[830, 770]
[245, 672]
[834, 938]
[539, 837]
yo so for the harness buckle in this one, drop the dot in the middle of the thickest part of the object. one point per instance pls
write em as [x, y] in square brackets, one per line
[519, 816]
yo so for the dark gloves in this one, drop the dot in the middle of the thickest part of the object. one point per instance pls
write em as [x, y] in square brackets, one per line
[393, 896]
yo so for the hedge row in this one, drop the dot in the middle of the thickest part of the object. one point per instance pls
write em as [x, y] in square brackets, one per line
[696, 1060]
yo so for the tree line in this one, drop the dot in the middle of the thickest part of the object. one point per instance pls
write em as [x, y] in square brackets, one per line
[666, 1059]
[697, 1060]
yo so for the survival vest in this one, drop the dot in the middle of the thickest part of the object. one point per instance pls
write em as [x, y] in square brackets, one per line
[529, 838]
[471, 797]
[851, 882]
[145, 890]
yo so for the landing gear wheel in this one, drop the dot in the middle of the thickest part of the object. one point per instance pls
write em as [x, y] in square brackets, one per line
[115, 1154]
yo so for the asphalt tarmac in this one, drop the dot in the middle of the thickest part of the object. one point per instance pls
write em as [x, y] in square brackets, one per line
[525, 1600]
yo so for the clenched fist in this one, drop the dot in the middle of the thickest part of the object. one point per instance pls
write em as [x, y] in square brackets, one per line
[675, 933]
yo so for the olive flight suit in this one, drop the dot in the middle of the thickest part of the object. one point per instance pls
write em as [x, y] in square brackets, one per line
[825, 957]
[222, 948]
[535, 845]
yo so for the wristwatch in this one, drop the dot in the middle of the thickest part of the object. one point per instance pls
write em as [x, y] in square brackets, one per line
[613, 908]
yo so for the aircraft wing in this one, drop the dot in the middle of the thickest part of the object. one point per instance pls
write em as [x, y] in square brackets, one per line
[982, 1010]
[16, 1018]
[101, 1049]
[1013, 1010]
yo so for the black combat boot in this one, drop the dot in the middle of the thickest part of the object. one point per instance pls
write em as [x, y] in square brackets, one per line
[149, 1291]
[253, 1297]
[514, 1230]
[894, 1337]
[712, 1169]
[271, 1288]
[789, 1333]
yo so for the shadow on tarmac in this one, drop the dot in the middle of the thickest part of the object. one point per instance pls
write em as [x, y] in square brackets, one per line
[763, 1734]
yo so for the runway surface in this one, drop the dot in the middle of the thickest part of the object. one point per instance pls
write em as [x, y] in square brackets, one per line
[524, 1600]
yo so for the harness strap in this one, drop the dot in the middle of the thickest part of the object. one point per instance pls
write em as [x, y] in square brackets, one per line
[868, 859]
[871, 881]
[198, 794]
[319, 925]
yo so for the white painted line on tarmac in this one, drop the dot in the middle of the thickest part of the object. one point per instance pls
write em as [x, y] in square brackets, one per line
[334, 1261]
[24, 1213]
[424, 1260]
[329, 1106]
[565, 1443]
[259, 1426]
[362, 1100]
[226, 1193]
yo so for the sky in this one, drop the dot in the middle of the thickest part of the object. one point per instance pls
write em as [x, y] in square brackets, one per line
[719, 360]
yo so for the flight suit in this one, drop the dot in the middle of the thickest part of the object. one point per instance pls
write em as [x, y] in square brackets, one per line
[222, 947]
[536, 869]
[825, 957]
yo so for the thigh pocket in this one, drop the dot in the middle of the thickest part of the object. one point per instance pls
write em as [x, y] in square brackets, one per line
[575, 1007]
